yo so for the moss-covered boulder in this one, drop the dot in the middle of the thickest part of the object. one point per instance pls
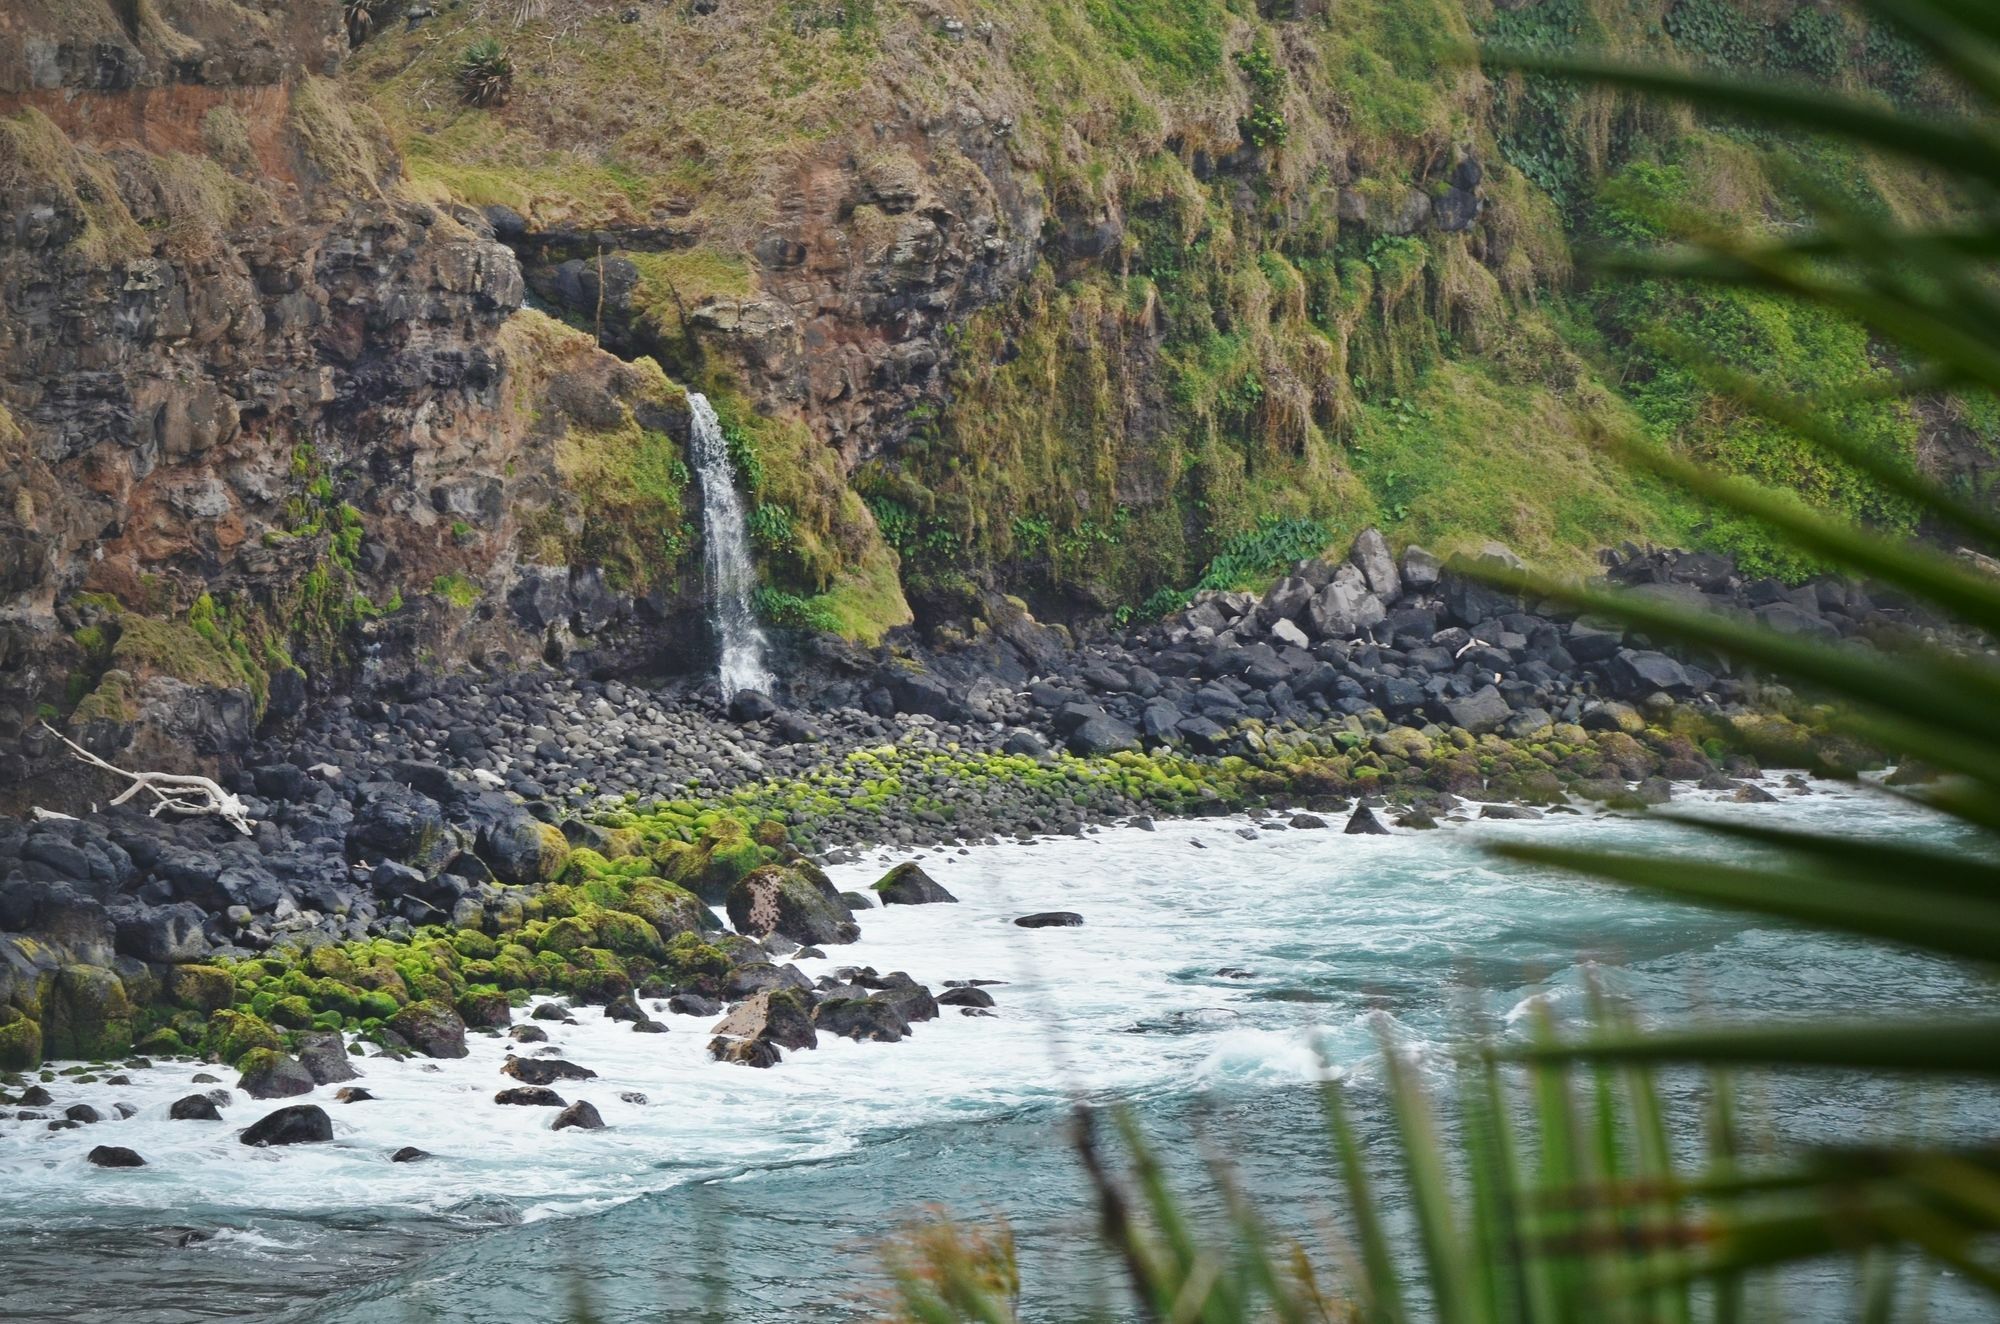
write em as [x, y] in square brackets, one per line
[485, 1009]
[723, 856]
[694, 966]
[202, 988]
[610, 930]
[270, 1074]
[432, 1028]
[87, 1014]
[231, 1034]
[775, 899]
[163, 1042]
[669, 909]
[522, 850]
[20, 1043]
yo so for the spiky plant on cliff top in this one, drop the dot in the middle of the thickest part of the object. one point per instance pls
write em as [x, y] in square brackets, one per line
[485, 73]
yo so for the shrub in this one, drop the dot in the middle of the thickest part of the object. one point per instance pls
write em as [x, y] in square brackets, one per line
[485, 73]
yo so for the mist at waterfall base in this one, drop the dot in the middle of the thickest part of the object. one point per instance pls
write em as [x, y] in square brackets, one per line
[732, 575]
[737, 1194]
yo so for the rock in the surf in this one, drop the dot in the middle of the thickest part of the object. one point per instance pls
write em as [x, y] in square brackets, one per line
[544, 1070]
[300, 1124]
[908, 885]
[579, 1116]
[115, 1156]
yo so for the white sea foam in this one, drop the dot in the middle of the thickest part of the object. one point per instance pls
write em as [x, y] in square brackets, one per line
[1321, 930]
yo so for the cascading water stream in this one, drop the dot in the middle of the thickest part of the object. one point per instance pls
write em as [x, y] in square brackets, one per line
[732, 575]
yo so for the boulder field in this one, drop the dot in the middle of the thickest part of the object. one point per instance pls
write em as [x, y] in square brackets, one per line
[427, 863]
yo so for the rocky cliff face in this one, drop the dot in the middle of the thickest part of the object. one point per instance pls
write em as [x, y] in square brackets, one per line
[254, 394]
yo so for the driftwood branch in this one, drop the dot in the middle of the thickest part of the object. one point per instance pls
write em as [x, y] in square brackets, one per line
[175, 792]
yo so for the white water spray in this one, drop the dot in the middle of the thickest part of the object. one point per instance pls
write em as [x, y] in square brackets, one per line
[732, 576]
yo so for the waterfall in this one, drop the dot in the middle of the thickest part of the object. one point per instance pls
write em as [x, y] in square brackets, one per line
[731, 574]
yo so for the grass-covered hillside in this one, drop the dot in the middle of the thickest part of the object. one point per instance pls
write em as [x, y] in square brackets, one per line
[1090, 299]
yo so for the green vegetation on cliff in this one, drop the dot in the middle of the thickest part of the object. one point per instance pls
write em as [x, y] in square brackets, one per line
[1170, 271]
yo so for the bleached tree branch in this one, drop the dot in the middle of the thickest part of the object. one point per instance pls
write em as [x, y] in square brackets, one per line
[178, 792]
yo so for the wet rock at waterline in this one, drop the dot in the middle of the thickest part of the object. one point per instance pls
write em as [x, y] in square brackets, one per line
[273, 1075]
[579, 1116]
[300, 1124]
[1051, 919]
[530, 1096]
[409, 1154]
[908, 885]
[544, 1070]
[1363, 823]
[114, 1156]
[194, 1108]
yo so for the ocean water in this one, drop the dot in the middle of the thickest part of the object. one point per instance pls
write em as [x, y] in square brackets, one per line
[736, 1194]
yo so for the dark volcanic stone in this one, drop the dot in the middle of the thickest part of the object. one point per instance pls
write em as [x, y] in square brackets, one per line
[1363, 823]
[965, 997]
[544, 1070]
[530, 1096]
[324, 1055]
[409, 1154]
[115, 1156]
[300, 1124]
[908, 885]
[1051, 919]
[579, 1116]
[194, 1108]
[862, 1019]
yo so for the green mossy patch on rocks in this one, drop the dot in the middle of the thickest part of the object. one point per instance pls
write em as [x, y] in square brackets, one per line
[20, 1045]
[203, 988]
[231, 1034]
[87, 1015]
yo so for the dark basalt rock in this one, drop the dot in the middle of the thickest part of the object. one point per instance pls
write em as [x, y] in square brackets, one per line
[353, 1094]
[530, 1096]
[776, 899]
[908, 885]
[552, 1011]
[744, 1052]
[1051, 919]
[1363, 823]
[115, 1156]
[194, 1108]
[866, 1019]
[579, 1116]
[269, 1075]
[432, 1028]
[83, 1114]
[693, 1004]
[323, 1053]
[965, 997]
[544, 1070]
[528, 1034]
[409, 1154]
[300, 1124]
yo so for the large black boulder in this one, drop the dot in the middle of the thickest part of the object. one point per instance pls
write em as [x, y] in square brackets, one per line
[300, 1124]
[579, 1116]
[908, 885]
[324, 1056]
[1051, 919]
[194, 1108]
[1102, 735]
[400, 824]
[544, 1070]
[866, 1019]
[432, 1028]
[115, 1156]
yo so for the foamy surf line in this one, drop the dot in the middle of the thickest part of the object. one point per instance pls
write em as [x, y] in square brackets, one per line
[1232, 963]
